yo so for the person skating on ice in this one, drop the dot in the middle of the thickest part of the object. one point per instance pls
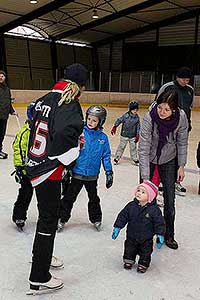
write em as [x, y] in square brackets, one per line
[163, 144]
[95, 151]
[6, 108]
[53, 145]
[129, 132]
[143, 219]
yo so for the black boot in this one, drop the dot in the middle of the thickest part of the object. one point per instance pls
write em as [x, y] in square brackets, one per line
[3, 155]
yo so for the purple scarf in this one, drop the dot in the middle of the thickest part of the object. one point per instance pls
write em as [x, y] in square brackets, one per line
[164, 127]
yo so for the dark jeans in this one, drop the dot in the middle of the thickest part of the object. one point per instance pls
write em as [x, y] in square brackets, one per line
[3, 125]
[48, 196]
[70, 196]
[168, 176]
[23, 200]
[143, 249]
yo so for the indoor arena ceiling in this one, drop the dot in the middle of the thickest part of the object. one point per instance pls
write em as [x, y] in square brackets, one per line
[73, 20]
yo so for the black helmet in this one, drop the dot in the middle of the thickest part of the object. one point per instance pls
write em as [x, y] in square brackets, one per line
[76, 73]
[97, 111]
[133, 105]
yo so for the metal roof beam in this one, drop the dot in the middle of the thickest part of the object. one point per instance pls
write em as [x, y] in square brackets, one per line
[153, 26]
[34, 14]
[109, 18]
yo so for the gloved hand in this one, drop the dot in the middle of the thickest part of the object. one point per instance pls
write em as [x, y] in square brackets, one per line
[18, 174]
[159, 241]
[115, 233]
[113, 130]
[109, 179]
[136, 138]
[81, 141]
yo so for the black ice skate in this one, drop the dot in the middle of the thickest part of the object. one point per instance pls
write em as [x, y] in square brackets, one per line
[37, 288]
[3, 155]
[98, 226]
[60, 226]
[20, 224]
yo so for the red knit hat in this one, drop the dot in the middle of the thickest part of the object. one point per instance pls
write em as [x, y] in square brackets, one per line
[151, 189]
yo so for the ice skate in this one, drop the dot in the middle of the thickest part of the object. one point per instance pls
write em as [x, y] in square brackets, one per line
[98, 226]
[3, 155]
[116, 161]
[180, 190]
[60, 226]
[56, 263]
[135, 162]
[37, 288]
[20, 224]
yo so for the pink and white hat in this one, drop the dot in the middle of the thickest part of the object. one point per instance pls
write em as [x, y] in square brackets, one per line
[151, 189]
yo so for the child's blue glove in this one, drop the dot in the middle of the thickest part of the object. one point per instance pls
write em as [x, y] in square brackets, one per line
[159, 241]
[115, 233]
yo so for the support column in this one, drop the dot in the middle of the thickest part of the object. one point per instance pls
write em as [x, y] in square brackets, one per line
[54, 60]
[3, 65]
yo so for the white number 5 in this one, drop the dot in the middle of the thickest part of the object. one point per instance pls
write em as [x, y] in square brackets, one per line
[39, 144]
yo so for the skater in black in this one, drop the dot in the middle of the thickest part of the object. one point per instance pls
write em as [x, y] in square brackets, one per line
[5, 109]
[143, 219]
[54, 144]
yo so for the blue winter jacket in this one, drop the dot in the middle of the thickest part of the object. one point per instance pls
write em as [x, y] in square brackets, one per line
[143, 221]
[96, 149]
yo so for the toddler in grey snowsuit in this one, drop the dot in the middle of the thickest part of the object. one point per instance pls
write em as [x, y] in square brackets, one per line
[143, 219]
[129, 132]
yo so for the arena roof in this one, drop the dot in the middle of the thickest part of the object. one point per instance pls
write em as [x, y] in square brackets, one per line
[117, 19]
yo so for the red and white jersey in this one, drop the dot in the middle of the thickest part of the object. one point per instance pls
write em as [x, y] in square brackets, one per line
[54, 137]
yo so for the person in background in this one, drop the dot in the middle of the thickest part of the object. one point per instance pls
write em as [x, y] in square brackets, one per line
[198, 163]
[96, 150]
[143, 219]
[185, 101]
[53, 145]
[5, 109]
[129, 132]
[20, 148]
[163, 141]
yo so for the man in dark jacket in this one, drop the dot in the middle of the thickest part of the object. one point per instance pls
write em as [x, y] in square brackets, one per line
[53, 144]
[5, 109]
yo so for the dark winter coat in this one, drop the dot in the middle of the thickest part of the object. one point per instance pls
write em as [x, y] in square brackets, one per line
[198, 156]
[185, 97]
[142, 221]
[54, 137]
[5, 102]
[130, 125]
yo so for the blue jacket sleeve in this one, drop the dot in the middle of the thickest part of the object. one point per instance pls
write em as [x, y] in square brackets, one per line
[119, 120]
[106, 156]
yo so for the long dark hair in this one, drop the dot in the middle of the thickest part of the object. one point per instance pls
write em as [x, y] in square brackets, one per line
[170, 97]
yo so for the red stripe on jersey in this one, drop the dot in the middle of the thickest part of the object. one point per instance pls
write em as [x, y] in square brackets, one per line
[57, 174]
[60, 85]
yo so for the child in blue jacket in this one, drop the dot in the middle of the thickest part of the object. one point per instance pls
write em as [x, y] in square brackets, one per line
[96, 149]
[143, 219]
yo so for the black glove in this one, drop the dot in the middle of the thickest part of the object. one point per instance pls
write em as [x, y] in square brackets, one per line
[19, 174]
[109, 179]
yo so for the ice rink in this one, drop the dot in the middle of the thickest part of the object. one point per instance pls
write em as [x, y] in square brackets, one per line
[93, 261]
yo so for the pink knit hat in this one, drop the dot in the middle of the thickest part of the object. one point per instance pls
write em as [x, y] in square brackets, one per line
[151, 189]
